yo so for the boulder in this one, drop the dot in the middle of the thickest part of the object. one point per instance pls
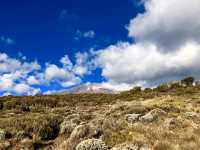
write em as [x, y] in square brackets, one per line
[147, 118]
[158, 112]
[66, 127]
[152, 115]
[95, 128]
[192, 115]
[22, 135]
[131, 118]
[2, 134]
[126, 147]
[4, 145]
[79, 132]
[92, 144]
[130, 146]
[173, 123]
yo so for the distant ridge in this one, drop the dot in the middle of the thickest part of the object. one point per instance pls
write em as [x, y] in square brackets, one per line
[89, 88]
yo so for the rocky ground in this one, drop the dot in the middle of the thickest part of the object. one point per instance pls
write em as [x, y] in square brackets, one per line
[166, 118]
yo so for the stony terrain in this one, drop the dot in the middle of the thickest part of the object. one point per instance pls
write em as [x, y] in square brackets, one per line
[164, 118]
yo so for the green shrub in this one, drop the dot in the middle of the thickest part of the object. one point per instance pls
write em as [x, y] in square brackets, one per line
[188, 81]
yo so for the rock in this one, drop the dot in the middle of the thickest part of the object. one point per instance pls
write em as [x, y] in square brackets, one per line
[130, 146]
[131, 118]
[22, 135]
[95, 128]
[173, 123]
[126, 147]
[147, 118]
[92, 144]
[84, 131]
[4, 145]
[66, 127]
[158, 112]
[192, 115]
[2, 134]
[26, 144]
[74, 118]
[80, 131]
[152, 115]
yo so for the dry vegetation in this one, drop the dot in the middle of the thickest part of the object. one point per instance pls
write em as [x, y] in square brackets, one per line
[165, 118]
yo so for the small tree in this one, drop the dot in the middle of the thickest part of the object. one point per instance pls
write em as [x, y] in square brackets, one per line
[188, 81]
[162, 88]
[136, 89]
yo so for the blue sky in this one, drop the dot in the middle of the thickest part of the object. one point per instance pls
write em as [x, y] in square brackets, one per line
[47, 30]
[49, 26]
[113, 43]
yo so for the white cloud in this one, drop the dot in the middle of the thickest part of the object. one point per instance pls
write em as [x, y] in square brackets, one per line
[14, 73]
[145, 65]
[6, 82]
[6, 94]
[7, 40]
[3, 56]
[8, 64]
[116, 86]
[66, 62]
[54, 72]
[18, 76]
[82, 66]
[25, 89]
[73, 81]
[32, 80]
[21, 88]
[167, 45]
[88, 34]
[167, 23]
[65, 76]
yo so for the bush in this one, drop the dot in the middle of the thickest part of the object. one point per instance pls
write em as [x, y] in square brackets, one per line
[136, 89]
[188, 81]
[45, 127]
[162, 88]
[92, 144]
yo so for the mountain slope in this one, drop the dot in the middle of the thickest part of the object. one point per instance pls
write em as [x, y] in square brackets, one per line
[90, 88]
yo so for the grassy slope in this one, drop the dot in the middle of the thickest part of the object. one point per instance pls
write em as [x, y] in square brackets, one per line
[40, 118]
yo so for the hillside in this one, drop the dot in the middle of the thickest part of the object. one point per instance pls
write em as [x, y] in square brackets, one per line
[89, 88]
[164, 118]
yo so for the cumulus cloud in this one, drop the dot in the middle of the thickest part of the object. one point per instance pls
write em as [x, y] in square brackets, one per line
[6, 82]
[167, 45]
[20, 77]
[21, 88]
[167, 23]
[88, 34]
[13, 75]
[69, 74]
[66, 62]
[83, 64]
[7, 40]
[32, 80]
[116, 86]
[145, 65]
[61, 75]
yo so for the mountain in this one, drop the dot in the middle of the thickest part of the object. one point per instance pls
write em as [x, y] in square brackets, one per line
[90, 88]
